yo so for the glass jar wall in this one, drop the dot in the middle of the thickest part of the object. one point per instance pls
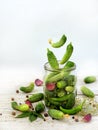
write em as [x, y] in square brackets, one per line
[59, 87]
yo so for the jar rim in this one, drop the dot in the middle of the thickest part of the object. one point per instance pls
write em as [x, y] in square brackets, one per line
[48, 68]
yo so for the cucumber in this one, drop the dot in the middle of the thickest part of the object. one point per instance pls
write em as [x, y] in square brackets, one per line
[36, 97]
[27, 89]
[56, 114]
[69, 89]
[61, 84]
[52, 60]
[87, 92]
[89, 79]
[40, 107]
[71, 101]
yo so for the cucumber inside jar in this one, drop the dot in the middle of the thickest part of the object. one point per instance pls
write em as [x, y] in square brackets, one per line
[60, 89]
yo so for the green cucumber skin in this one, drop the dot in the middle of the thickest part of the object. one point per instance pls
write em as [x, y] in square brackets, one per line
[87, 92]
[52, 60]
[40, 107]
[27, 89]
[36, 97]
[74, 110]
[60, 43]
[89, 79]
[61, 99]
[61, 84]
[22, 108]
[58, 77]
[56, 114]
[67, 54]
[71, 101]
[50, 76]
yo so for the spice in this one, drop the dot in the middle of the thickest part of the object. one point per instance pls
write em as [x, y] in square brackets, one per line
[32, 108]
[12, 99]
[17, 91]
[27, 96]
[73, 117]
[0, 114]
[46, 114]
[13, 113]
[77, 120]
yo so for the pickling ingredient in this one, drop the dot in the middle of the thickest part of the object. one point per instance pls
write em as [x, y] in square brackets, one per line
[50, 86]
[36, 97]
[52, 60]
[22, 107]
[46, 114]
[60, 43]
[17, 91]
[13, 113]
[32, 115]
[54, 102]
[87, 92]
[28, 103]
[23, 115]
[61, 84]
[69, 65]
[40, 107]
[71, 80]
[58, 76]
[61, 99]
[56, 114]
[87, 118]
[50, 75]
[89, 79]
[74, 110]
[71, 101]
[28, 89]
[69, 89]
[61, 93]
[90, 106]
[68, 53]
[38, 82]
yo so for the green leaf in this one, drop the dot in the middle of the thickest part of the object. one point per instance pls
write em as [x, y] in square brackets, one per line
[40, 116]
[32, 117]
[37, 115]
[23, 115]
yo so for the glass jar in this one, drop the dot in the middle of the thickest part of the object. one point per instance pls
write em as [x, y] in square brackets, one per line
[59, 87]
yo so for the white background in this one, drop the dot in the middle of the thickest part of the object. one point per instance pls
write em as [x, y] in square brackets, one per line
[25, 27]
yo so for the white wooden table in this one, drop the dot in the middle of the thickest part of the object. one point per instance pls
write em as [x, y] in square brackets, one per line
[10, 80]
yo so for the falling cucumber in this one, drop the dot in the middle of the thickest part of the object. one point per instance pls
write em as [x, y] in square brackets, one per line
[60, 43]
[68, 53]
[52, 60]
